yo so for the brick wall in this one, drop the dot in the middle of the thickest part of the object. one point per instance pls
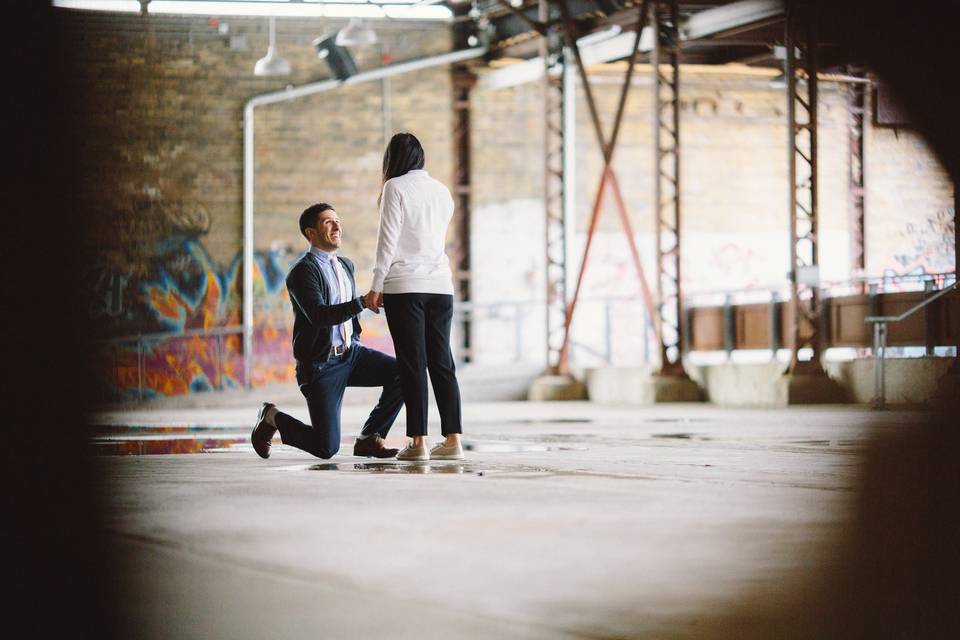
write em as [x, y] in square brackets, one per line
[161, 117]
[734, 195]
[161, 121]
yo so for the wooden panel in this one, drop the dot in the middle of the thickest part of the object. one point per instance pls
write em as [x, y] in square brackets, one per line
[847, 328]
[786, 324]
[752, 323]
[948, 324]
[707, 329]
[911, 330]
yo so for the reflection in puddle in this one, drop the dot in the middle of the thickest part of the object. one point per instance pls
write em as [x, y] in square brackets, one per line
[513, 447]
[395, 467]
[505, 471]
[155, 445]
[548, 421]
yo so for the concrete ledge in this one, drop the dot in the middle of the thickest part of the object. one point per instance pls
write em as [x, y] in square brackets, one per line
[547, 388]
[673, 389]
[809, 389]
[909, 381]
[638, 386]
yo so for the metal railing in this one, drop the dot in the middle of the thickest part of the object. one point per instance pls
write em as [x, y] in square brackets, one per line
[616, 331]
[880, 341]
[141, 339]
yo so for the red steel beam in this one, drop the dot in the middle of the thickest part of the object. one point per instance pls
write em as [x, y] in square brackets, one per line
[608, 176]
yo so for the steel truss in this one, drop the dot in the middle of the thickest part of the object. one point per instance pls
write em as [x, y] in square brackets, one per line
[464, 80]
[857, 110]
[551, 51]
[800, 68]
[665, 60]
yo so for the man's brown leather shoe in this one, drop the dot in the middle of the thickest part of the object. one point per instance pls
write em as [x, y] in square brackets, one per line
[373, 447]
[263, 431]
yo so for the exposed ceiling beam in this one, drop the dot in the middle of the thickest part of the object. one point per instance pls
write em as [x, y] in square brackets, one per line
[721, 20]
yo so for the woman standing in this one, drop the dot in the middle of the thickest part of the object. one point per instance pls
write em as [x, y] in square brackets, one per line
[413, 283]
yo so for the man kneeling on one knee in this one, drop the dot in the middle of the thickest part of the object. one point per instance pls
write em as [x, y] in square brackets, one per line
[327, 349]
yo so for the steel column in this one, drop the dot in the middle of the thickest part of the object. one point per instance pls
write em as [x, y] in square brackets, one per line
[554, 147]
[463, 81]
[857, 111]
[665, 60]
[800, 68]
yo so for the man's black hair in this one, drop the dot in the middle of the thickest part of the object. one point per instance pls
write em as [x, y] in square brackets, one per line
[308, 219]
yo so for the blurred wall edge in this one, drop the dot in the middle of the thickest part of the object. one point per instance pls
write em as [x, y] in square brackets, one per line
[57, 575]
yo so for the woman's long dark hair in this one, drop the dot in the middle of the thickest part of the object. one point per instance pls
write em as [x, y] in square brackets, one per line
[404, 153]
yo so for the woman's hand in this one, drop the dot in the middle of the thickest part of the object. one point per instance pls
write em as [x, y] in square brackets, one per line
[374, 301]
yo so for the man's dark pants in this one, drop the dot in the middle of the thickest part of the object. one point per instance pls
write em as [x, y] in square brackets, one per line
[323, 383]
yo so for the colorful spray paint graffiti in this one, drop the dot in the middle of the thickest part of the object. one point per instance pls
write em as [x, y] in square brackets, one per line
[186, 291]
[928, 247]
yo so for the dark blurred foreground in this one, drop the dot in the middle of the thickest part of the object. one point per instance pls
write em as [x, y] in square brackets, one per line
[899, 566]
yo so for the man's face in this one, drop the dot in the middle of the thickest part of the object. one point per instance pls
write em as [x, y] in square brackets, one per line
[326, 234]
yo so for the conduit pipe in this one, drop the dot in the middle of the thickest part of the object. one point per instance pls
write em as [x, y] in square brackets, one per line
[248, 168]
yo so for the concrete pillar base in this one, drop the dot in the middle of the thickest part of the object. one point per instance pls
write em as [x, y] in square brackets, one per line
[948, 388]
[556, 388]
[809, 389]
[674, 389]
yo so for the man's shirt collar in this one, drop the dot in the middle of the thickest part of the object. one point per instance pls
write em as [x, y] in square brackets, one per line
[322, 255]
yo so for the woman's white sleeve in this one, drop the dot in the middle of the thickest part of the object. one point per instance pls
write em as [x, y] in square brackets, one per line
[388, 234]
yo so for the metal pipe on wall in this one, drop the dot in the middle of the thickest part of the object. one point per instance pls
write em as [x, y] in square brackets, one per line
[275, 97]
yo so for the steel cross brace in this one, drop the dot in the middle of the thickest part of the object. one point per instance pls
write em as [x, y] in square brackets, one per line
[608, 176]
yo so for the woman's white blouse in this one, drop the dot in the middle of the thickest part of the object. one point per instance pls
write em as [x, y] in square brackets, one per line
[415, 211]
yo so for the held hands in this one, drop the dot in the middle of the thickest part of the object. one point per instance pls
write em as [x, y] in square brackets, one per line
[374, 301]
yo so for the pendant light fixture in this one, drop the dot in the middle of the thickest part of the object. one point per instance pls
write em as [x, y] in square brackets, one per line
[272, 64]
[356, 34]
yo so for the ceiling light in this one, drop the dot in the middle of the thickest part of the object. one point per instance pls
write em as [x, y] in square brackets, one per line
[272, 64]
[356, 34]
[338, 58]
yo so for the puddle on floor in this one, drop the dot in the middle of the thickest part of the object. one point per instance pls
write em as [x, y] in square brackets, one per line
[459, 468]
[682, 436]
[548, 421]
[396, 467]
[153, 446]
[513, 447]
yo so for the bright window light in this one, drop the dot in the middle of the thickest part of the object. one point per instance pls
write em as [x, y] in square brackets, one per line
[397, 9]
[426, 12]
[124, 6]
[352, 11]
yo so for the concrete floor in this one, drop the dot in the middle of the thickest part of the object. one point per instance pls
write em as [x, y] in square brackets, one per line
[568, 520]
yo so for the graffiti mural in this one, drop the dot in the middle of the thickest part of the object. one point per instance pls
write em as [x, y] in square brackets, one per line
[183, 290]
[186, 291]
[928, 246]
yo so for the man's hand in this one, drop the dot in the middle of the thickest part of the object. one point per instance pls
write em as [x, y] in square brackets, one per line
[374, 301]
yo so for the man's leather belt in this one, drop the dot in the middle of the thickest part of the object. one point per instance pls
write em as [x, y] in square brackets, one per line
[337, 351]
